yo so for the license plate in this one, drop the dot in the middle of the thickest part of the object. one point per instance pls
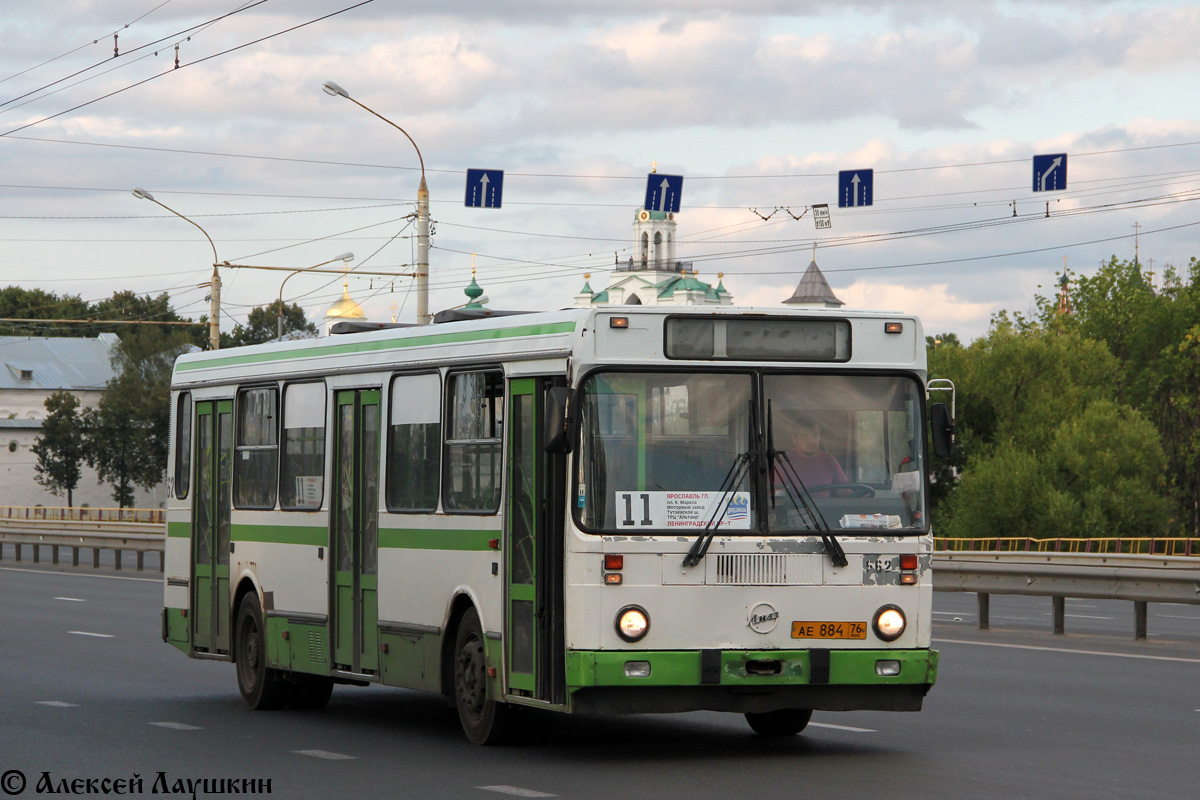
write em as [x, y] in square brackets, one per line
[829, 630]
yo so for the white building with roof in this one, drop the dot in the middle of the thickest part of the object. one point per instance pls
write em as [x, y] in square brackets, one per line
[31, 369]
[653, 277]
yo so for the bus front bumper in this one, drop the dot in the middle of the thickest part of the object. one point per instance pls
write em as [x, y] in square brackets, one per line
[747, 680]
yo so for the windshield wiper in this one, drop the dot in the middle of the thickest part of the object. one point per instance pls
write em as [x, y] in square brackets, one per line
[733, 478]
[798, 493]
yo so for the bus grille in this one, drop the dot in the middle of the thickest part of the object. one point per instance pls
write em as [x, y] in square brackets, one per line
[767, 569]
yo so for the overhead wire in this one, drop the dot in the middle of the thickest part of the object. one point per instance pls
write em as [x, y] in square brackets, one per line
[188, 64]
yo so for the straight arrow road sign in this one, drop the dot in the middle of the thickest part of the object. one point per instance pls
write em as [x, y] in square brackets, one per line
[856, 188]
[484, 188]
[1050, 172]
[663, 192]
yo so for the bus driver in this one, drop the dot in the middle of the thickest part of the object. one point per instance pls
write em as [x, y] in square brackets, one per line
[814, 466]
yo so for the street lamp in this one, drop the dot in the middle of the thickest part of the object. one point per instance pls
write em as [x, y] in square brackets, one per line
[346, 257]
[214, 308]
[423, 317]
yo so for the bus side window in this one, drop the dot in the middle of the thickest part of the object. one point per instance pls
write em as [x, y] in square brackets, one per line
[301, 484]
[475, 419]
[414, 443]
[256, 464]
[183, 445]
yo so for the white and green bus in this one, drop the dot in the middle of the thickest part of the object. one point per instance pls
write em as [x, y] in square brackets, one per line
[612, 510]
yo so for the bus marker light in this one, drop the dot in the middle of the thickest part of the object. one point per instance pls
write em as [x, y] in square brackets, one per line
[637, 669]
[908, 579]
[893, 327]
[618, 322]
[887, 669]
[287, 635]
[612, 578]
[491, 672]
[632, 623]
[908, 561]
[494, 544]
[614, 561]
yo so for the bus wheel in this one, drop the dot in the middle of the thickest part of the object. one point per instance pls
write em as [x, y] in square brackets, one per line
[784, 722]
[310, 691]
[262, 688]
[482, 717]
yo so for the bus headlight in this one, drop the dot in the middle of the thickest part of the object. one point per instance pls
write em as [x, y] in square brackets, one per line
[889, 623]
[632, 623]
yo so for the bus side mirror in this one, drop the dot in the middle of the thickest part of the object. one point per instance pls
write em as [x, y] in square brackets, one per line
[560, 422]
[941, 426]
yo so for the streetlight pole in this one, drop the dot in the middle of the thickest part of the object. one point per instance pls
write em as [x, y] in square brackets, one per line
[346, 257]
[423, 317]
[214, 306]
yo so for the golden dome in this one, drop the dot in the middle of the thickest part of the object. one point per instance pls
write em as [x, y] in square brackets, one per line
[345, 308]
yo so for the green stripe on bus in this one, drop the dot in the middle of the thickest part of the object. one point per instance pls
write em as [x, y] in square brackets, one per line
[179, 530]
[281, 534]
[422, 539]
[375, 346]
[396, 538]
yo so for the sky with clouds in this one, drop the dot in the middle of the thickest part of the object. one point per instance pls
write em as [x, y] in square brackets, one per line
[758, 104]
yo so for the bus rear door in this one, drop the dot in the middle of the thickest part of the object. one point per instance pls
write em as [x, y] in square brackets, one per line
[210, 526]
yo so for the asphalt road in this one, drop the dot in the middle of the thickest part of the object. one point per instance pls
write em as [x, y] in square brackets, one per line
[88, 691]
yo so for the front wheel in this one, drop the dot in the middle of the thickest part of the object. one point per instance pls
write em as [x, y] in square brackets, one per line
[262, 688]
[784, 722]
[483, 718]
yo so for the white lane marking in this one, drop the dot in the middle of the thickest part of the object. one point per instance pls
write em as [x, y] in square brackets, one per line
[325, 754]
[515, 791]
[97, 635]
[1173, 616]
[1069, 650]
[72, 599]
[72, 573]
[178, 726]
[57, 704]
[1085, 616]
[841, 727]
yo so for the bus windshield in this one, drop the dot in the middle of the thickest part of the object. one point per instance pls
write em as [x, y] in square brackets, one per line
[750, 453]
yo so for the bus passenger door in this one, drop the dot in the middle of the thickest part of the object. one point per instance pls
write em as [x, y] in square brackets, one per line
[534, 543]
[210, 526]
[355, 537]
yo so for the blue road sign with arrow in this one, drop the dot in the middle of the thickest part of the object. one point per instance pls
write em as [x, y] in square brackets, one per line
[663, 192]
[1050, 172]
[856, 187]
[484, 187]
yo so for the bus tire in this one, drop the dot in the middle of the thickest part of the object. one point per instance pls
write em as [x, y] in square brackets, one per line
[310, 692]
[784, 722]
[262, 688]
[483, 718]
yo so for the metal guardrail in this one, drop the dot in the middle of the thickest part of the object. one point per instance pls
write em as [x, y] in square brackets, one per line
[1132, 545]
[120, 537]
[83, 514]
[1141, 579]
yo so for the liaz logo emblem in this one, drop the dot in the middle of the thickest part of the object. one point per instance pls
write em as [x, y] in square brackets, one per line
[763, 618]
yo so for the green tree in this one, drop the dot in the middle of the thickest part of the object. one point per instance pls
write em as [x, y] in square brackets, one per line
[19, 303]
[60, 447]
[1100, 475]
[127, 433]
[262, 325]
